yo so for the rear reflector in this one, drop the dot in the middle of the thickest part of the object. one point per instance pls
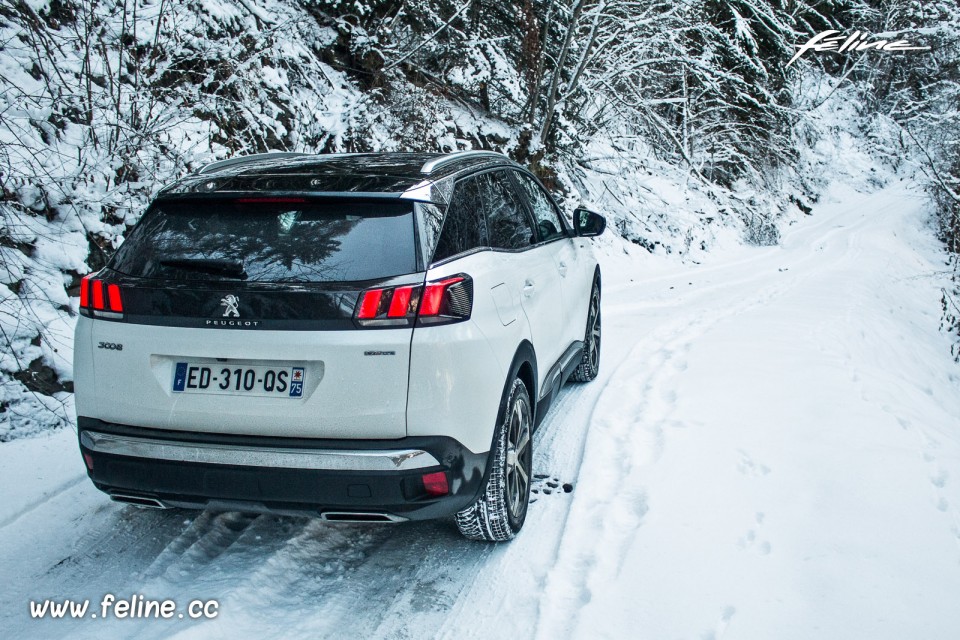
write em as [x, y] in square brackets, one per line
[435, 484]
[88, 460]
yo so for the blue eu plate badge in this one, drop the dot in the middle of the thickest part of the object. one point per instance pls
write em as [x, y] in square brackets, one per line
[180, 376]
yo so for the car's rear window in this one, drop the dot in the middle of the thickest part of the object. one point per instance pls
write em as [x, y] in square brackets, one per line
[278, 240]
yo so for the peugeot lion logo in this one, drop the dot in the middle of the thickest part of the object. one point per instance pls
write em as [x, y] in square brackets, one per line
[231, 302]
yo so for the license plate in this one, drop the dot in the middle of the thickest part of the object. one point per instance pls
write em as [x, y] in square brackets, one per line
[245, 380]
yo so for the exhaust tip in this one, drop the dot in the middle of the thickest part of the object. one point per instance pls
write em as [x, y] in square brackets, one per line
[138, 501]
[347, 516]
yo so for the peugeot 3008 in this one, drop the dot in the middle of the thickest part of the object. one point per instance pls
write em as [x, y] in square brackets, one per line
[364, 337]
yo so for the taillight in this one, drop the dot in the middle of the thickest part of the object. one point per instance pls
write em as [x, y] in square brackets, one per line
[435, 484]
[440, 302]
[99, 299]
[446, 301]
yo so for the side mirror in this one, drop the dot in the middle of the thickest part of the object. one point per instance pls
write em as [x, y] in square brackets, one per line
[588, 223]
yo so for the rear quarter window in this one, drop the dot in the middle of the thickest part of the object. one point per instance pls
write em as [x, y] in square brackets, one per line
[464, 227]
[507, 222]
[271, 241]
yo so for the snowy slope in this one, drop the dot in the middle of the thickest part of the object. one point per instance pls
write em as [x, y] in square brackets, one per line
[771, 450]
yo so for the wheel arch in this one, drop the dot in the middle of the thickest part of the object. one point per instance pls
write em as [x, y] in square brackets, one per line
[523, 366]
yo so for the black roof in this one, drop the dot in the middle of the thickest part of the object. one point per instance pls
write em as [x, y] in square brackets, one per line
[383, 174]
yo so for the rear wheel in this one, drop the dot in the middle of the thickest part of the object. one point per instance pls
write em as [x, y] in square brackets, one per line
[499, 513]
[590, 361]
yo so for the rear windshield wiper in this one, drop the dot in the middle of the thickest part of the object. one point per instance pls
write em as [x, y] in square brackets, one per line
[222, 266]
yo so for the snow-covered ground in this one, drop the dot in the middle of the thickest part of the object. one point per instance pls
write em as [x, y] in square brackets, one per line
[771, 450]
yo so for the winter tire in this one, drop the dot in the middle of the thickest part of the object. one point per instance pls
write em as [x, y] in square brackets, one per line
[499, 513]
[590, 361]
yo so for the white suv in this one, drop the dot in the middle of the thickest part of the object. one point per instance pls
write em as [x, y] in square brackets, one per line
[366, 337]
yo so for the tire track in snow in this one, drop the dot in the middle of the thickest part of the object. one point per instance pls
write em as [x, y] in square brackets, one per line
[47, 497]
[206, 538]
[446, 568]
[97, 547]
[311, 575]
[331, 580]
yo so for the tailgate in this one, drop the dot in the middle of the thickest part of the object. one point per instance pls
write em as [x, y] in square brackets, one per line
[345, 393]
[174, 361]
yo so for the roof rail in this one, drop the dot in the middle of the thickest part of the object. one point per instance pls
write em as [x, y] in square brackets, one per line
[436, 163]
[220, 164]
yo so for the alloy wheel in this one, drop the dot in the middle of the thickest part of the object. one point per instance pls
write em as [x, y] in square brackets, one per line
[518, 457]
[593, 335]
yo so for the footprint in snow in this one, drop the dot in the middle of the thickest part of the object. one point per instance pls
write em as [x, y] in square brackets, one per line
[748, 467]
[750, 539]
[939, 480]
[722, 624]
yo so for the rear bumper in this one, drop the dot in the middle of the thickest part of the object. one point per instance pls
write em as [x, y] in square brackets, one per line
[280, 475]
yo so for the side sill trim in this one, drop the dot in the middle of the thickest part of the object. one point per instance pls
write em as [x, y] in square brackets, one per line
[325, 459]
[562, 367]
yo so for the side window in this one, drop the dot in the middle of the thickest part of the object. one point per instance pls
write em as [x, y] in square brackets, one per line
[547, 216]
[463, 228]
[507, 222]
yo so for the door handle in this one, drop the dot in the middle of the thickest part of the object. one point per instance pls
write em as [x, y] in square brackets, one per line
[562, 268]
[528, 288]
